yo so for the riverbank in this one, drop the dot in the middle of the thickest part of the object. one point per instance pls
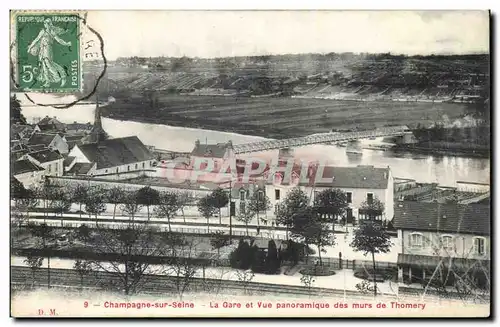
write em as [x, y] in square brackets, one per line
[428, 149]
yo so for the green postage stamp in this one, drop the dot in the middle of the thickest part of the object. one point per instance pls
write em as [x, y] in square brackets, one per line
[48, 52]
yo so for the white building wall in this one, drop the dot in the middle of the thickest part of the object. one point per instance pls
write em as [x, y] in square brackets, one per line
[31, 179]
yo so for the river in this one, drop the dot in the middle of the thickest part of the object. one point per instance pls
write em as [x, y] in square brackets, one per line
[445, 170]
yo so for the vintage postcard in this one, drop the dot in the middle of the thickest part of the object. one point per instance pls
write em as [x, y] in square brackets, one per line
[250, 164]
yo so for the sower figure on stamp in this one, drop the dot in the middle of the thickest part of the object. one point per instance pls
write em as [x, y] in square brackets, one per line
[50, 71]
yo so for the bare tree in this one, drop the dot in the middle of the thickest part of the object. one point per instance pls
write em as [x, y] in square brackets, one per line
[94, 203]
[206, 209]
[184, 199]
[34, 263]
[79, 195]
[83, 268]
[167, 207]
[245, 277]
[245, 215]
[130, 207]
[259, 202]
[180, 265]
[308, 281]
[127, 250]
[115, 195]
[44, 234]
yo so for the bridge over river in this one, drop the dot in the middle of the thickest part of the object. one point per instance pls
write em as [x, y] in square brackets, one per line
[320, 138]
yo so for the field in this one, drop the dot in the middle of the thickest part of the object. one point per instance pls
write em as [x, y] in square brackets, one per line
[277, 117]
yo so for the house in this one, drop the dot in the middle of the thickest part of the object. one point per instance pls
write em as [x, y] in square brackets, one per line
[54, 142]
[73, 140]
[19, 131]
[48, 124]
[117, 158]
[361, 184]
[218, 153]
[78, 128]
[27, 172]
[51, 161]
[434, 236]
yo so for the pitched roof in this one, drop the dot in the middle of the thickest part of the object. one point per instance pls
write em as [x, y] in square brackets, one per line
[79, 126]
[68, 161]
[80, 168]
[41, 138]
[24, 166]
[45, 156]
[437, 217]
[116, 152]
[210, 150]
[37, 147]
[366, 177]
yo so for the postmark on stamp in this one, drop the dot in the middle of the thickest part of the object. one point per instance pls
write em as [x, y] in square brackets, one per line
[48, 52]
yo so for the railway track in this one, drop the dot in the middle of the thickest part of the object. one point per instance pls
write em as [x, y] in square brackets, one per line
[162, 284]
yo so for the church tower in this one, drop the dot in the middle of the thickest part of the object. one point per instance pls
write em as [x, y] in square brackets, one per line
[97, 134]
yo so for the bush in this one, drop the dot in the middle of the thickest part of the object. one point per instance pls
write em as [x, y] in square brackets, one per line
[382, 274]
[318, 271]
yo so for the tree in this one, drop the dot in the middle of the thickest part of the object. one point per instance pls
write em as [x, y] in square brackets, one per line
[148, 196]
[129, 247]
[331, 203]
[308, 281]
[34, 263]
[272, 259]
[79, 195]
[218, 199]
[219, 240]
[83, 268]
[130, 207]
[115, 196]
[241, 257]
[295, 200]
[167, 207]
[184, 199]
[370, 237]
[245, 277]
[309, 228]
[259, 202]
[94, 204]
[15, 111]
[372, 209]
[245, 215]
[44, 233]
[83, 233]
[206, 209]
[180, 265]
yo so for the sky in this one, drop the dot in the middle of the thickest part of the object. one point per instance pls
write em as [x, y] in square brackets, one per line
[209, 34]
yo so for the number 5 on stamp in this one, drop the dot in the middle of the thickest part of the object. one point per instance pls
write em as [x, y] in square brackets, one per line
[48, 52]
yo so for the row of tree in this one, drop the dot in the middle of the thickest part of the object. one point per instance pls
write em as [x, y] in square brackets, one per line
[93, 200]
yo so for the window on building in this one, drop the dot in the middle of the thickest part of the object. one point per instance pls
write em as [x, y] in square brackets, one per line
[128, 168]
[49, 168]
[106, 171]
[56, 167]
[479, 245]
[349, 197]
[276, 194]
[136, 166]
[416, 240]
[117, 170]
[447, 242]
[369, 198]
[242, 195]
[143, 165]
[242, 206]
[261, 195]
